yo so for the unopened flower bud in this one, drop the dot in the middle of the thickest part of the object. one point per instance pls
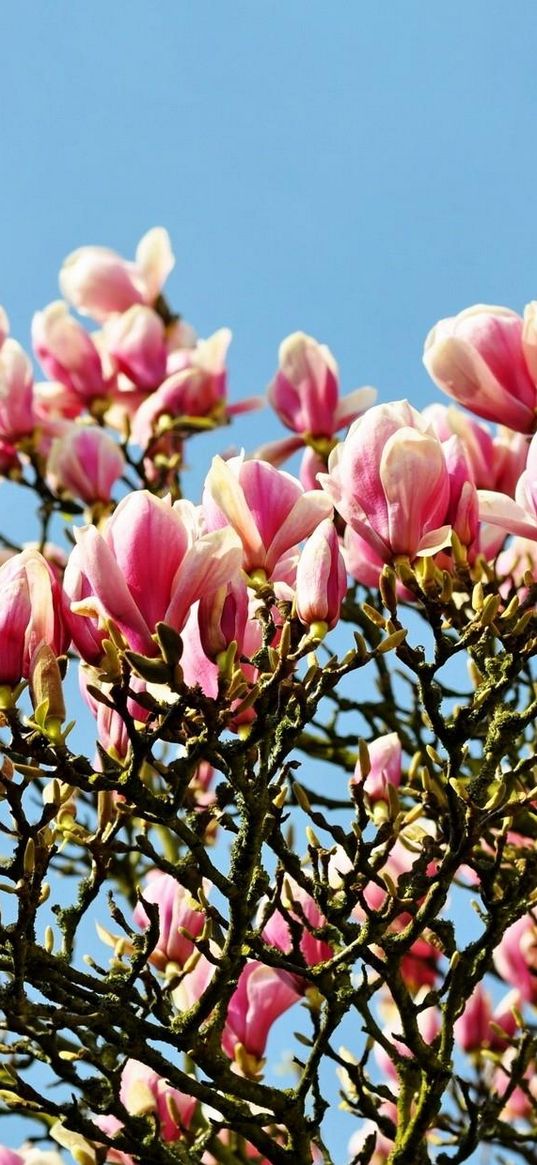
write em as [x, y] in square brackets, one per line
[321, 578]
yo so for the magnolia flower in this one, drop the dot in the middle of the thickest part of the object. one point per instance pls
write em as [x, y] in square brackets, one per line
[390, 482]
[32, 612]
[147, 566]
[305, 390]
[98, 282]
[17, 411]
[269, 509]
[67, 352]
[86, 462]
[321, 578]
[180, 919]
[485, 358]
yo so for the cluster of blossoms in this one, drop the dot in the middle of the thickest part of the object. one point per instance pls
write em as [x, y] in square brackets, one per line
[196, 630]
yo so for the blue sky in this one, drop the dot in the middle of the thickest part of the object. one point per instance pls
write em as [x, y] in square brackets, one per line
[353, 170]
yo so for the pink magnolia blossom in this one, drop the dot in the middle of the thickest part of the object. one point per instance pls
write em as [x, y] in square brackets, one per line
[17, 412]
[515, 958]
[513, 562]
[305, 390]
[4, 326]
[419, 966]
[194, 983]
[222, 617]
[472, 1029]
[177, 913]
[302, 908]
[112, 733]
[252, 1154]
[382, 1145]
[195, 386]
[31, 612]
[496, 462]
[385, 759]
[429, 1024]
[520, 1103]
[98, 282]
[86, 462]
[9, 1157]
[55, 405]
[463, 508]
[389, 480]
[269, 510]
[198, 668]
[477, 1027]
[148, 565]
[112, 1126]
[261, 996]
[143, 1091]
[516, 515]
[67, 352]
[321, 578]
[29, 1155]
[310, 466]
[509, 459]
[483, 358]
[365, 564]
[200, 785]
[10, 462]
[86, 634]
[135, 343]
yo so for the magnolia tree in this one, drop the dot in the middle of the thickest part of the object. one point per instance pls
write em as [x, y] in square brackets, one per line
[313, 786]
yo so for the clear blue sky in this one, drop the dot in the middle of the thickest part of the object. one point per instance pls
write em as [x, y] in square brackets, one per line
[353, 170]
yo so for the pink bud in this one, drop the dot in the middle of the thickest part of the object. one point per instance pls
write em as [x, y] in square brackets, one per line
[321, 578]
[136, 345]
[86, 462]
[305, 390]
[478, 358]
[389, 480]
[385, 760]
[67, 352]
[143, 1091]
[31, 612]
[17, 414]
[177, 913]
